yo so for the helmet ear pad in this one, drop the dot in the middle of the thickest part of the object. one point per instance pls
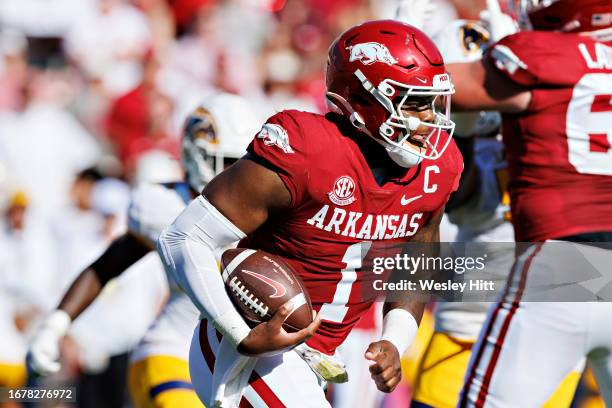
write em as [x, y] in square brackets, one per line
[339, 104]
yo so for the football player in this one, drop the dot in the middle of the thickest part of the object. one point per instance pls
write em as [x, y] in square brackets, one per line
[158, 373]
[481, 210]
[319, 191]
[553, 84]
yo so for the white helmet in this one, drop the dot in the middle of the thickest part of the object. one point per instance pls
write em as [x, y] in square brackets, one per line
[463, 41]
[220, 128]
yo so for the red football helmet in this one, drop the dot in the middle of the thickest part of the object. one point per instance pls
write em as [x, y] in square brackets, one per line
[565, 15]
[372, 69]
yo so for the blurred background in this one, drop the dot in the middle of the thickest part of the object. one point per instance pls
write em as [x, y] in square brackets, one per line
[92, 98]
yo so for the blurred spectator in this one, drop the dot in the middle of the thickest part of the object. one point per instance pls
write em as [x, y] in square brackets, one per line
[192, 60]
[43, 18]
[247, 24]
[439, 12]
[12, 341]
[282, 69]
[469, 9]
[80, 191]
[108, 44]
[110, 198]
[28, 261]
[81, 229]
[140, 120]
[13, 69]
[185, 12]
[206, 57]
[43, 146]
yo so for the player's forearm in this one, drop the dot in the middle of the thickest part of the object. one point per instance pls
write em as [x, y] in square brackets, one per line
[120, 255]
[81, 293]
[402, 317]
[478, 86]
[414, 307]
[468, 187]
[188, 249]
[401, 322]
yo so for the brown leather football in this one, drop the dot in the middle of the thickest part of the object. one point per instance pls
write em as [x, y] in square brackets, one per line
[259, 283]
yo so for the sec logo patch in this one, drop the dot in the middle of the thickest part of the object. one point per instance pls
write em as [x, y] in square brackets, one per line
[343, 191]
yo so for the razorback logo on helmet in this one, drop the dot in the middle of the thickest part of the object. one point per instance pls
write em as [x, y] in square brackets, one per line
[275, 135]
[371, 52]
[343, 191]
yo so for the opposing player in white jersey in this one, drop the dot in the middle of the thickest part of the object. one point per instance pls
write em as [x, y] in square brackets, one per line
[159, 373]
[481, 211]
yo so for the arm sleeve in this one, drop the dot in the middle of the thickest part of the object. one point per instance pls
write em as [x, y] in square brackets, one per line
[187, 249]
[122, 253]
[281, 146]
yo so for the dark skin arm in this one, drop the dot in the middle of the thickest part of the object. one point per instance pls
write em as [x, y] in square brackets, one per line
[122, 253]
[247, 193]
[468, 184]
[386, 369]
[479, 86]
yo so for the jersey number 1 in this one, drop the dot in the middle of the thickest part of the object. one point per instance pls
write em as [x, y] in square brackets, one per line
[353, 258]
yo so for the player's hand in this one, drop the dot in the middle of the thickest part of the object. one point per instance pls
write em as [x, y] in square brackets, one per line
[386, 370]
[269, 338]
[498, 23]
[43, 354]
[44, 351]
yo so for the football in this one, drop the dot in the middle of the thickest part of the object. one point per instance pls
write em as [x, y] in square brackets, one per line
[259, 283]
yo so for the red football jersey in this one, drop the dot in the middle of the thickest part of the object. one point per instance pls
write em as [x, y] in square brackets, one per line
[338, 210]
[558, 151]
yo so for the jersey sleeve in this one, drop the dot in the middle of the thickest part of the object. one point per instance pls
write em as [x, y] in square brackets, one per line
[282, 147]
[531, 58]
[152, 208]
[508, 57]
